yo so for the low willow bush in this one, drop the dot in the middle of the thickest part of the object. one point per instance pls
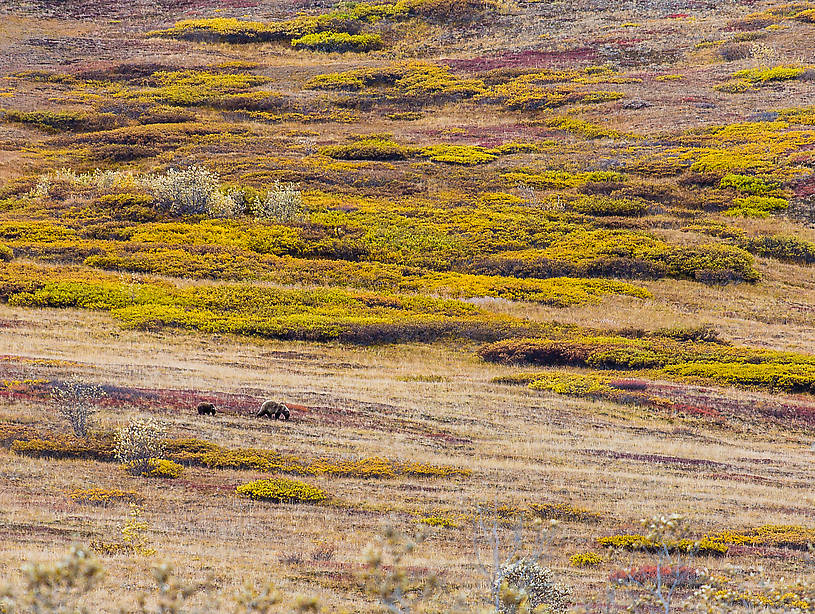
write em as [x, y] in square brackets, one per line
[585, 559]
[91, 448]
[282, 490]
[773, 376]
[61, 121]
[162, 468]
[371, 148]
[104, 496]
[246, 309]
[793, 537]
[339, 42]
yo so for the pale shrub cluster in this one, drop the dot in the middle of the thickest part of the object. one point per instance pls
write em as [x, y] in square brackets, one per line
[194, 190]
[137, 442]
[282, 203]
[526, 587]
[53, 587]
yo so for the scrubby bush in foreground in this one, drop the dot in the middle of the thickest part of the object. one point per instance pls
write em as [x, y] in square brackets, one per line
[525, 586]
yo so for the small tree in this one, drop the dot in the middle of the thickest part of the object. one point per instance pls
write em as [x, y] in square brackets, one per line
[388, 577]
[77, 402]
[137, 442]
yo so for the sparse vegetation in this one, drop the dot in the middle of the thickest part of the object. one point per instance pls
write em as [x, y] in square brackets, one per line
[523, 273]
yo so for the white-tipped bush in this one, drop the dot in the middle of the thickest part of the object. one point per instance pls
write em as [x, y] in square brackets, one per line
[137, 442]
[192, 191]
[524, 586]
[283, 202]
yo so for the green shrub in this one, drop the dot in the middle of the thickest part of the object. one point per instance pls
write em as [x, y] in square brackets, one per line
[757, 206]
[776, 73]
[368, 149]
[603, 205]
[282, 490]
[93, 448]
[339, 42]
[749, 184]
[61, 121]
[458, 154]
[703, 547]
[772, 376]
[696, 261]
[439, 521]
[783, 247]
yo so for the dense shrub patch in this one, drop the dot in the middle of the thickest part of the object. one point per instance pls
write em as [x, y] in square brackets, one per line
[787, 377]
[104, 496]
[259, 311]
[794, 537]
[338, 41]
[585, 559]
[782, 247]
[282, 490]
[657, 355]
[703, 547]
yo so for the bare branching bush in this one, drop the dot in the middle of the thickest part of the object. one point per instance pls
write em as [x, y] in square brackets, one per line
[139, 441]
[283, 202]
[63, 587]
[388, 577]
[672, 569]
[77, 401]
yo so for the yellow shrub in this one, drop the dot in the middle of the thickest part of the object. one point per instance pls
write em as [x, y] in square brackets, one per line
[282, 490]
[585, 559]
[162, 468]
[104, 496]
[439, 521]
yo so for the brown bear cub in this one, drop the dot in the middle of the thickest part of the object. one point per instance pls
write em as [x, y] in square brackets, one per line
[206, 409]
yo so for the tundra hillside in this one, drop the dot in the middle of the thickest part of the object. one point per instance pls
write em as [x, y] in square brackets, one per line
[528, 287]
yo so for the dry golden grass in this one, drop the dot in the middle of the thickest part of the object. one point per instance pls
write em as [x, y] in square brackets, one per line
[523, 447]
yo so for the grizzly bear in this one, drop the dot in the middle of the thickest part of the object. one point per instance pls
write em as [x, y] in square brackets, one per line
[206, 409]
[273, 408]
